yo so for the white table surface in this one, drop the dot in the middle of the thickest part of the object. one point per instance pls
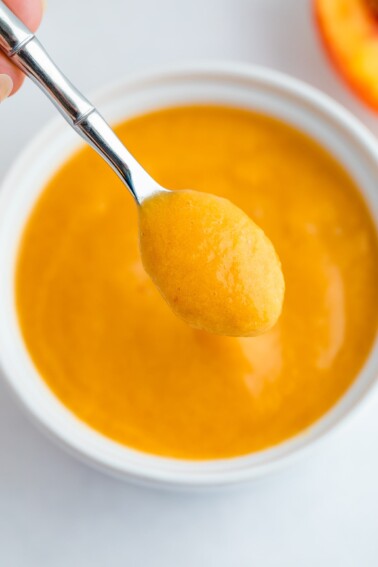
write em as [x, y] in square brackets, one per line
[57, 512]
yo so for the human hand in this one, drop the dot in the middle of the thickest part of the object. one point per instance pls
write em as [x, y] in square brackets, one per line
[30, 12]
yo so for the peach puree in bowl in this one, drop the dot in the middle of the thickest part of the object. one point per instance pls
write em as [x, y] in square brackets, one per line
[108, 346]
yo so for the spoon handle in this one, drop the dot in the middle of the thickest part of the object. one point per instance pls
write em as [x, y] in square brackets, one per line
[27, 53]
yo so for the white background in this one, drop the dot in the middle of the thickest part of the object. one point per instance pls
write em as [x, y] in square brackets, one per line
[56, 512]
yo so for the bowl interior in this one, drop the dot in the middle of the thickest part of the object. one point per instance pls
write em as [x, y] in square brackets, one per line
[256, 89]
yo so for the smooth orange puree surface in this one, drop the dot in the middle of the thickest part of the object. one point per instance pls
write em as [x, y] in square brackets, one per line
[214, 266]
[112, 350]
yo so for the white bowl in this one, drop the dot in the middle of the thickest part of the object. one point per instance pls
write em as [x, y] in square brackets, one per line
[234, 84]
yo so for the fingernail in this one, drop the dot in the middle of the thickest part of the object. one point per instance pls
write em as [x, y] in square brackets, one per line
[6, 86]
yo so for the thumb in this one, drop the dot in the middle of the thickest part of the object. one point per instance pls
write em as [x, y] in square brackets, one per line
[6, 86]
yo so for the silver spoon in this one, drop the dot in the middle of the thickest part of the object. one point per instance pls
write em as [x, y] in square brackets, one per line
[23, 48]
[27, 53]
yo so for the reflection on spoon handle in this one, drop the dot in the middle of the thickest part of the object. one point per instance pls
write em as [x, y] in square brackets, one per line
[27, 53]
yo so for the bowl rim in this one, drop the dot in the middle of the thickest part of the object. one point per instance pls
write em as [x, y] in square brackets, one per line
[165, 471]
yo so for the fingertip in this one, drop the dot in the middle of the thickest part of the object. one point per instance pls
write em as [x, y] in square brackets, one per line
[6, 86]
[29, 11]
[7, 68]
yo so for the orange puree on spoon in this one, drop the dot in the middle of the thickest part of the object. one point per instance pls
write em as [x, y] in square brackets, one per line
[212, 264]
